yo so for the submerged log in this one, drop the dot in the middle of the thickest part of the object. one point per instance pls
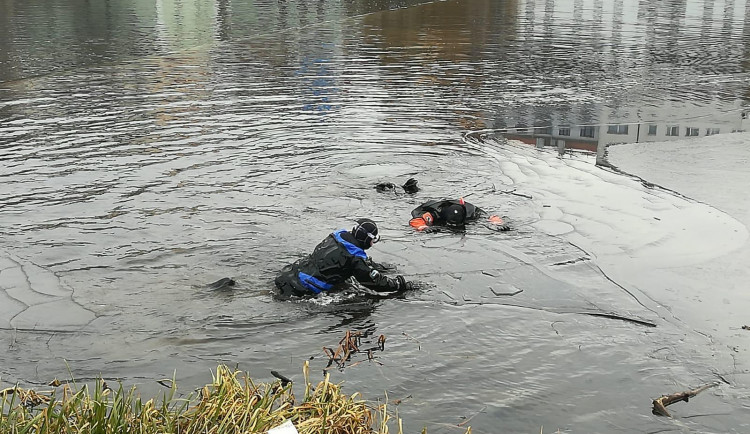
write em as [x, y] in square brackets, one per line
[660, 404]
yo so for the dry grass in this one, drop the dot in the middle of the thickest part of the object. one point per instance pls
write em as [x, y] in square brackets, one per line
[232, 403]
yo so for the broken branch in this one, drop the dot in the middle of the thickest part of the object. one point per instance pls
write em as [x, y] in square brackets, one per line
[660, 404]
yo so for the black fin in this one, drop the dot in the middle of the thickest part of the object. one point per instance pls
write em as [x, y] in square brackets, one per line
[222, 283]
[411, 186]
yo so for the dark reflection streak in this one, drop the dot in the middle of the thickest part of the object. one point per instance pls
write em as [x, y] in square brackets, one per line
[707, 19]
[542, 113]
[729, 17]
[321, 9]
[223, 20]
[676, 15]
[302, 14]
[6, 12]
[578, 35]
[358, 319]
[578, 14]
[617, 17]
[549, 19]
[745, 62]
[529, 16]
[615, 64]
[283, 14]
[646, 14]
[597, 21]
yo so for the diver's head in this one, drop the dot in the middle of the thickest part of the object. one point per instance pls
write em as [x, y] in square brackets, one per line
[454, 215]
[366, 233]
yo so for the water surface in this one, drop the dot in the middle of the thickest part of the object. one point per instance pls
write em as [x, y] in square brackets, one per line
[148, 150]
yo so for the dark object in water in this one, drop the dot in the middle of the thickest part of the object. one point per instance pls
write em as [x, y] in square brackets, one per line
[620, 317]
[660, 404]
[410, 186]
[222, 283]
[385, 186]
[284, 380]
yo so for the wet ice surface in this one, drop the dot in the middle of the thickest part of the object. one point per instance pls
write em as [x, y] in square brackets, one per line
[34, 298]
[127, 187]
[711, 171]
[514, 358]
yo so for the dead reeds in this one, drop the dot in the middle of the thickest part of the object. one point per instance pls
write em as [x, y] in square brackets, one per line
[232, 403]
[349, 345]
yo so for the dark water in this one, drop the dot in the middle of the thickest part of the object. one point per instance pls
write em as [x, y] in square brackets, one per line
[148, 149]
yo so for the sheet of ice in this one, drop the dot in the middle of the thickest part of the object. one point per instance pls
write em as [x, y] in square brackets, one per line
[710, 295]
[671, 231]
[32, 297]
[618, 218]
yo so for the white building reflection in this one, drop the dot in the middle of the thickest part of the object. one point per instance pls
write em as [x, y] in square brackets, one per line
[594, 138]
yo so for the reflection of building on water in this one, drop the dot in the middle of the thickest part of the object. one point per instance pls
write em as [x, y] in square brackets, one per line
[184, 24]
[682, 63]
[594, 137]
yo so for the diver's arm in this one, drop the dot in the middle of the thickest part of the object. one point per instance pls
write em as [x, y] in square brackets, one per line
[494, 221]
[375, 280]
[383, 267]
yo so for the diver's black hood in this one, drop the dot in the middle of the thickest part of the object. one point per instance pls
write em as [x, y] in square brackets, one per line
[365, 231]
[348, 236]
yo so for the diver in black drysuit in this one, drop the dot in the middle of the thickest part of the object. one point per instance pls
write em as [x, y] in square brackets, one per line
[339, 256]
[444, 212]
[453, 214]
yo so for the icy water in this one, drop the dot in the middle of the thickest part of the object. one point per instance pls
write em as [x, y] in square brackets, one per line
[150, 149]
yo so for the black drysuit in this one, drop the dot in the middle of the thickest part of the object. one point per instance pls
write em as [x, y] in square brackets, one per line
[338, 257]
[436, 207]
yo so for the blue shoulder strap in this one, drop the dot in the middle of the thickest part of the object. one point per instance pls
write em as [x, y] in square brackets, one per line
[351, 248]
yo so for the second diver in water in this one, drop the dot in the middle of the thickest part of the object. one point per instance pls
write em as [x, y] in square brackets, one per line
[451, 213]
